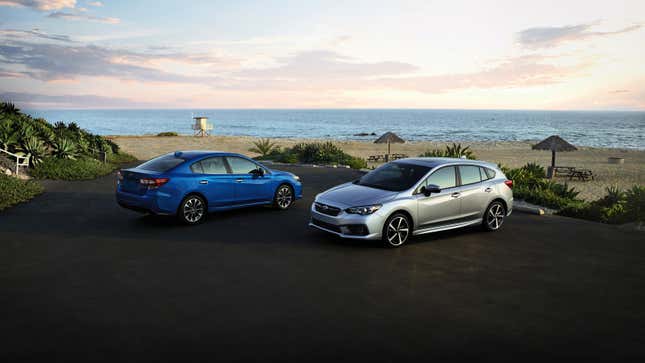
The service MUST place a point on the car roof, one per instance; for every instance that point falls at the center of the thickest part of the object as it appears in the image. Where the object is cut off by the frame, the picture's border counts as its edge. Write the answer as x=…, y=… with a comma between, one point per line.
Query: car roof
x=434, y=162
x=195, y=154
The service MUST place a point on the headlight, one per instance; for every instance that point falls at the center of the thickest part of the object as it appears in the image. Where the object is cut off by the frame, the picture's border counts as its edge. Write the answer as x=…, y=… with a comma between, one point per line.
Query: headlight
x=296, y=177
x=364, y=210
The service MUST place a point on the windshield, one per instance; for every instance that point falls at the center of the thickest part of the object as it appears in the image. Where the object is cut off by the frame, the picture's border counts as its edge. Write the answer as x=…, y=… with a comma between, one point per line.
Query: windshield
x=162, y=163
x=394, y=176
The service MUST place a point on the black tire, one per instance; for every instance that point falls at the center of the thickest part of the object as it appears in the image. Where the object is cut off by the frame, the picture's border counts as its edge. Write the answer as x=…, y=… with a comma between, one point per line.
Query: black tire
x=283, y=197
x=192, y=210
x=494, y=216
x=397, y=230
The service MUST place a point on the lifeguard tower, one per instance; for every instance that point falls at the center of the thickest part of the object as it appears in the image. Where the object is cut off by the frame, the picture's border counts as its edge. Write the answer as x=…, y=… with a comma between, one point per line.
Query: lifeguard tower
x=202, y=127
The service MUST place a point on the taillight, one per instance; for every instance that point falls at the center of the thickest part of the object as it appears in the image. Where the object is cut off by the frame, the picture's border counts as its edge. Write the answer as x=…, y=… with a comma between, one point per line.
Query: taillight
x=509, y=183
x=153, y=183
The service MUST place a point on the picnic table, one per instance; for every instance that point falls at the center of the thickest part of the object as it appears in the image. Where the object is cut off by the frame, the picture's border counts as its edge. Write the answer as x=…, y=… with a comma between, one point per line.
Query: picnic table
x=563, y=170
x=581, y=174
x=379, y=158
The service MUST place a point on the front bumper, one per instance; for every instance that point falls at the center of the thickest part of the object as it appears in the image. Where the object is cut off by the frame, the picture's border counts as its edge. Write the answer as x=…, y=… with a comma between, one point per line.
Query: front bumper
x=347, y=225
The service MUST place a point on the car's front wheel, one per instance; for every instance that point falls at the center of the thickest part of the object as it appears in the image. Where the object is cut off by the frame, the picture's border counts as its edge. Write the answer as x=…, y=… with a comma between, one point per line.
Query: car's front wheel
x=494, y=216
x=397, y=230
x=283, y=198
x=192, y=210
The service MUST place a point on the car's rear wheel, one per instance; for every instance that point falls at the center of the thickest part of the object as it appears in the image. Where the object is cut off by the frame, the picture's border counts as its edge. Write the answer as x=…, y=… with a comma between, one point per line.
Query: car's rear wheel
x=192, y=210
x=494, y=216
x=283, y=198
x=397, y=230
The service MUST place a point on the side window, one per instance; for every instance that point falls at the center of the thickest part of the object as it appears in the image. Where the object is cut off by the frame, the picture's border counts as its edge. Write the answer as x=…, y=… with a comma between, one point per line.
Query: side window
x=488, y=173
x=469, y=174
x=444, y=178
x=240, y=166
x=213, y=165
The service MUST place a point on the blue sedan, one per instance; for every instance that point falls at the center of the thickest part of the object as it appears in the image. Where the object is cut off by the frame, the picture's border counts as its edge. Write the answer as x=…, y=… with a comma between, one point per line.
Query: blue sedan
x=189, y=184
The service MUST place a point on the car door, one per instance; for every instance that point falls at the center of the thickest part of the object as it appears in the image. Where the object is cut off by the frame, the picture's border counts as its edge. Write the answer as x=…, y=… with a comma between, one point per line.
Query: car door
x=215, y=181
x=249, y=188
x=438, y=208
x=473, y=193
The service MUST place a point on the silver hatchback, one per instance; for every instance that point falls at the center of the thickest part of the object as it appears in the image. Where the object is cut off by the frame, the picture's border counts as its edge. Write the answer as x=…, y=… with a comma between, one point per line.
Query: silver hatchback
x=415, y=196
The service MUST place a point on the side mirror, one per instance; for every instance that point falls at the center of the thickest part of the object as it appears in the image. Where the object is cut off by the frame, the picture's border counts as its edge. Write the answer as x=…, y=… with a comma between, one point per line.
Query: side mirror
x=257, y=172
x=429, y=189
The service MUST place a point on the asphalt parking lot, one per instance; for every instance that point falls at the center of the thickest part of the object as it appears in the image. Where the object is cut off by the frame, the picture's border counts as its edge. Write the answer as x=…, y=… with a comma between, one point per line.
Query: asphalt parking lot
x=83, y=280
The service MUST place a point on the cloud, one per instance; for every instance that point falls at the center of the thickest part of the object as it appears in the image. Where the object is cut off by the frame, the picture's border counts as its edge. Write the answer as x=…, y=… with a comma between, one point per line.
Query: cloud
x=77, y=16
x=95, y=3
x=42, y=5
x=323, y=64
x=61, y=101
x=545, y=37
x=34, y=33
x=523, y=71
x=53, y=61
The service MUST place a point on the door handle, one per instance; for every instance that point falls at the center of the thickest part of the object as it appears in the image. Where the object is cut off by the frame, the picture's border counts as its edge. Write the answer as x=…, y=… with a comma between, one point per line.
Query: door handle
x=488, y=190
x=455, y=195
x=239, y=180
x=203, y=182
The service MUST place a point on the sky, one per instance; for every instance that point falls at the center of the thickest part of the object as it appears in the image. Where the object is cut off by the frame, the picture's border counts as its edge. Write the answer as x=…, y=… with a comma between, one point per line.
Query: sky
x=516, y=54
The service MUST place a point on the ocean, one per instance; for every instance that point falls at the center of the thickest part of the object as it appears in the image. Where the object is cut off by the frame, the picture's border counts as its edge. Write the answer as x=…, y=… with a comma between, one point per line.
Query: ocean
x=615, y=129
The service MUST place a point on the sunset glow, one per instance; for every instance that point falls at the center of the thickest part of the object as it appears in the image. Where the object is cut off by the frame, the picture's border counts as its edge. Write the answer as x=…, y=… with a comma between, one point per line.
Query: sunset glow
x=315, y=54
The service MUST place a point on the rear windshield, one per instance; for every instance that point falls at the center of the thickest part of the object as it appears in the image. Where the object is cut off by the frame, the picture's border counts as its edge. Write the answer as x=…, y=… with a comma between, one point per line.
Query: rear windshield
x=162, y=163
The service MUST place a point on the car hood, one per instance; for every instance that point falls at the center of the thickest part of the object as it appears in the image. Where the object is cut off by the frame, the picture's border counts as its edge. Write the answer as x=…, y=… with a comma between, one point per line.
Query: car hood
x=282, y=173
x=353, y=195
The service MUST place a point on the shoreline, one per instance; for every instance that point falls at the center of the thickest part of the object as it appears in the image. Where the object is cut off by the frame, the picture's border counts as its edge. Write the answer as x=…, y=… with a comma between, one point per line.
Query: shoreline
x=508, y=153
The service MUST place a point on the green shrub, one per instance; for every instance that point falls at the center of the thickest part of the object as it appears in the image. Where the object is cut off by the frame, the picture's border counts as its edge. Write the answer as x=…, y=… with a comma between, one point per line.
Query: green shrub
x=635, y=203
x=167, y=134
x=36, y=148
x=121, y=158
x=14, y=191
x=71, y=169
x=314, y=152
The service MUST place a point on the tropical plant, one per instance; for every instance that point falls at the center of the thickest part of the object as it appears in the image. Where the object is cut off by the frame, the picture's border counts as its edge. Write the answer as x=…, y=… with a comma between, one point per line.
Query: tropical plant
x=36, y=149
x=451, y=151
x=457, y=151
x=64, y=149
x=9, y=108
x=73, y=127
x=263, y=147
x=8, y=136
x=534, y=170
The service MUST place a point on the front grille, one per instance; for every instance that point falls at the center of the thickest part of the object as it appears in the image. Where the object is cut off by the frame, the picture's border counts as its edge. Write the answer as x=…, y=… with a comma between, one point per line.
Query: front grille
x=325, y=225
x=326, y=209
x=348, y=229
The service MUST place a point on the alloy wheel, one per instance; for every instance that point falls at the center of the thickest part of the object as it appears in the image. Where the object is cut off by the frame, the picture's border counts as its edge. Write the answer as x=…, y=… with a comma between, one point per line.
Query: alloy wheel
x=397, y=231
x=495, y=216
x=284, y=197
x=193, y=209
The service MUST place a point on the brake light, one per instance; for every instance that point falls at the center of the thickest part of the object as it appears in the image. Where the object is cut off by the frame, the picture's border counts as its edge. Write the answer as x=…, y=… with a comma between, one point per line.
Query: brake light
x=153, y=183
x=509, y=183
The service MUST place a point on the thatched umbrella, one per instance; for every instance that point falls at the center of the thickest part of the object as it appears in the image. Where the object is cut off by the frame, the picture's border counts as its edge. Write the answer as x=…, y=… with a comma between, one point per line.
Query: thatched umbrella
x=389, y=138
x=554, y=143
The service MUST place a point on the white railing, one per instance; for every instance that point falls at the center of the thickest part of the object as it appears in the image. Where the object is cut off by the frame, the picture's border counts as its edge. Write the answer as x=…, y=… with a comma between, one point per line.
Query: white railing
x=20, y=159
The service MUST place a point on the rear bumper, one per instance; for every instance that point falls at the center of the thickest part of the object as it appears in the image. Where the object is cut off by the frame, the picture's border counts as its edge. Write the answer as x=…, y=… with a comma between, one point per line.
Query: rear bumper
x=145, y=203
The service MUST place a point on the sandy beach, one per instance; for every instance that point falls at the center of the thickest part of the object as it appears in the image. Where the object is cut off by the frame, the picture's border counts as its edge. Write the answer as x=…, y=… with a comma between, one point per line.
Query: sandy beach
x=512, y=154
